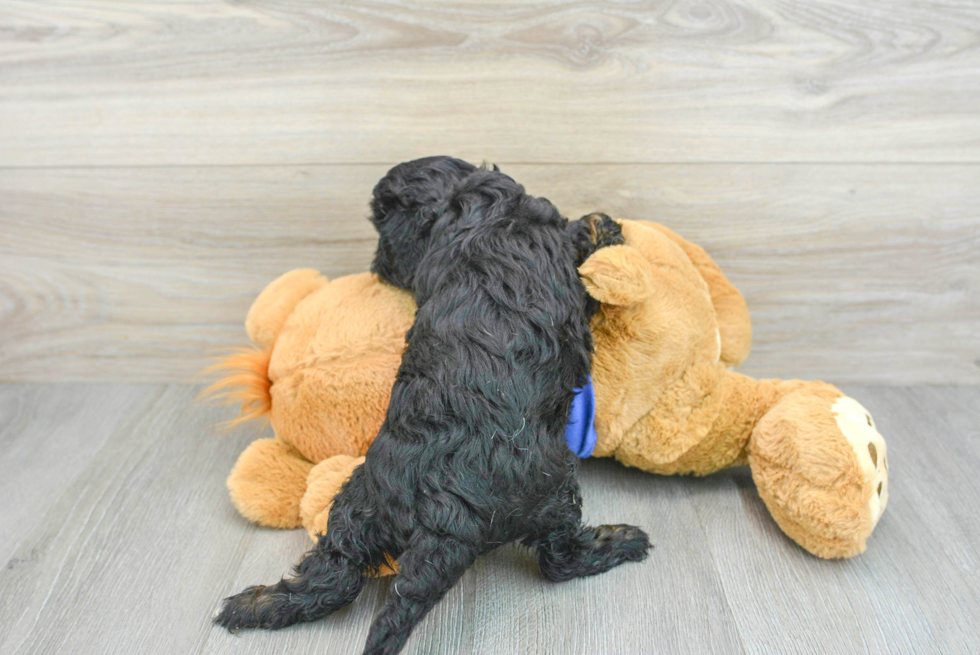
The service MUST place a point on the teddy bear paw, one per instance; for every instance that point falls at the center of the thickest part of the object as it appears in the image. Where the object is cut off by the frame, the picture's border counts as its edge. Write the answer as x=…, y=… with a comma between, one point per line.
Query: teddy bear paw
x=857, y=425
x=821, y=467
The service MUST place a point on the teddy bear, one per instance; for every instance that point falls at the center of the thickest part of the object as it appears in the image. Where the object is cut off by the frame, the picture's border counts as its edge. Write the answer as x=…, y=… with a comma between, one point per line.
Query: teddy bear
x=669, y=330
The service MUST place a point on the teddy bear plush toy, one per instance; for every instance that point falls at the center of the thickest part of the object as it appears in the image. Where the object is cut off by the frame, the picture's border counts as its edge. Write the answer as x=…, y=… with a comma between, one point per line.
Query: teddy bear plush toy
x=669, y=330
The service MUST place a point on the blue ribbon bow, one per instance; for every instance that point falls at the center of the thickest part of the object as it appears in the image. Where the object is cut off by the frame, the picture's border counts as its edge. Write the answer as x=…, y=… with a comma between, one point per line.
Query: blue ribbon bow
x=580, y=432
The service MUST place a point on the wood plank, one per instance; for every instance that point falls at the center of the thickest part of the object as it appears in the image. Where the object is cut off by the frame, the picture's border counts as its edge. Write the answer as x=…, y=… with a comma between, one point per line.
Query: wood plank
x=122, y=545
x=92, y=82
x=136, y=552
x=853, y=273
x=49, y=435
x=912, y=591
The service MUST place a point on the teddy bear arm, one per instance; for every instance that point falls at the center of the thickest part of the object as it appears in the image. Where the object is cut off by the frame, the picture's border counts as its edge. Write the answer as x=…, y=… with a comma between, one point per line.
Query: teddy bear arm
x=617, y=275
x=277, y=301
x=268, y=481
x=734, y=322
x=697, y=425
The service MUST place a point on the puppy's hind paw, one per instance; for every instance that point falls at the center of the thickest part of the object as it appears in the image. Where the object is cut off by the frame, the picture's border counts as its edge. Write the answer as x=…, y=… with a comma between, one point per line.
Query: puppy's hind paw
x=627, y=542
x=256, y=607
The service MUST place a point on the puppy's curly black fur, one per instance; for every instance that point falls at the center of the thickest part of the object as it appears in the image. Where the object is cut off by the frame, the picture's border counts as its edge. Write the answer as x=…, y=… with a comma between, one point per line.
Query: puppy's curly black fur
x=471, y=454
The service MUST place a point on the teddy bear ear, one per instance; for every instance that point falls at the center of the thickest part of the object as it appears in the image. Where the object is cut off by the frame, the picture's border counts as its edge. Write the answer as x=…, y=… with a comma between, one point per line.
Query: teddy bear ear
x=617, y=275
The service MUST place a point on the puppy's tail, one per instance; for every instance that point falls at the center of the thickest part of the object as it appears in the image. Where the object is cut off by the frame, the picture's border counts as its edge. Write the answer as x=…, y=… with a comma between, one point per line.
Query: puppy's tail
x=245, y=381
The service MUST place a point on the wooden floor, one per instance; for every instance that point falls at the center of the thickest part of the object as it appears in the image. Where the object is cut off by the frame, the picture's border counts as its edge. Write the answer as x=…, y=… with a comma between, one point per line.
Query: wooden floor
x=160, y=162
x=118, y=537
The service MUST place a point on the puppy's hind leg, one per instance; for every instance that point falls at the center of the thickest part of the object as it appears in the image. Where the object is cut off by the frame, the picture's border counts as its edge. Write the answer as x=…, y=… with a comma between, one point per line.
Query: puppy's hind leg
x=569, y=549
x=327, y=579
x=429, y=568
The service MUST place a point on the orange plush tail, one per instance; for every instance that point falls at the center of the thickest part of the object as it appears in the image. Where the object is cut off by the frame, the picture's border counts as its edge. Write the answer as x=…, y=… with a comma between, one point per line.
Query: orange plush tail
x=245, y=380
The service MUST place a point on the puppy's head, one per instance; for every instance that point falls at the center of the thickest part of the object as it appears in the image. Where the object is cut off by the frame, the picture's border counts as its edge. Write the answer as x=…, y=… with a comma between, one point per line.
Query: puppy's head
x=407, y=202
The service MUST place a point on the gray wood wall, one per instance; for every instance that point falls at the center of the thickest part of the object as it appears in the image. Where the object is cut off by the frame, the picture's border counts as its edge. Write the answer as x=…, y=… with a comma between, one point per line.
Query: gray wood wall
x=160, y=162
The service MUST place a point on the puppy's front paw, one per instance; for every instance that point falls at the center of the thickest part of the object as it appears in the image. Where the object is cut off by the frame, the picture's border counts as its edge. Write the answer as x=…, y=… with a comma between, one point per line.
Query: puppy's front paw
x=603, y=231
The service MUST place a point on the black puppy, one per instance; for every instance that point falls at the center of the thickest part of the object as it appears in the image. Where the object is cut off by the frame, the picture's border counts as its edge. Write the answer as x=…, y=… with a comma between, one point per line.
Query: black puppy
x=471, y=454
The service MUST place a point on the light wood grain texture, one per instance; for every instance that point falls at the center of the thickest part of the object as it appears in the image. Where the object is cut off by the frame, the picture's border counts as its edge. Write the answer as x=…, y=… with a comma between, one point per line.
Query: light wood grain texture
x=87, y=82
x=857, y=273
x=49, y=435
x=161, y=162
x=913, y=591
x=133, y=552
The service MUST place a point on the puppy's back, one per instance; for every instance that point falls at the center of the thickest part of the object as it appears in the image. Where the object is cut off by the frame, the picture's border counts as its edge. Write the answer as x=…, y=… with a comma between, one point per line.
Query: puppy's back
x=500, y=340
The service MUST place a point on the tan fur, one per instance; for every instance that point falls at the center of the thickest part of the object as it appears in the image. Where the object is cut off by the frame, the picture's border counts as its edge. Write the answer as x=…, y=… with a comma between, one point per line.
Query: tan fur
x=268, y=483
x=800, y=461
x=322, y=374
x=729, y=305
x=246, y=383
x=322, y=484
x=669, y=328
x=277, y=301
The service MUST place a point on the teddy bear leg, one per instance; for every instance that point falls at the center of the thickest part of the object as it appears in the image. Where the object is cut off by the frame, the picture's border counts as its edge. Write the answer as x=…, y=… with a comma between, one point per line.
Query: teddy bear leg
x=268, y=482
x=322, y=484
x=821, y=467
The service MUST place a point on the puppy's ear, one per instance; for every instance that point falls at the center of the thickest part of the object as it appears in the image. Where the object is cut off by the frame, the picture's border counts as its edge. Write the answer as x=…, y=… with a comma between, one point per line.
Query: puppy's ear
x=617, y=275
x=417, y=190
